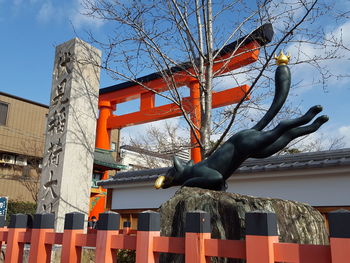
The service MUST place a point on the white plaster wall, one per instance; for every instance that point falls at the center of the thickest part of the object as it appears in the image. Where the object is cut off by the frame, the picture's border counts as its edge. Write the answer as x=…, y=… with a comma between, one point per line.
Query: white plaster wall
x=314, y=188
x=322, y=190
x=140, y=196
x=130, y=158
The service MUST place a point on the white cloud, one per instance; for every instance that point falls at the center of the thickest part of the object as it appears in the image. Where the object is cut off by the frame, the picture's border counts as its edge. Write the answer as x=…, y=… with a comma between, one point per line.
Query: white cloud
x=46, y=12
x=308, y=74
x=56, y=11
x=280, y=13
x=326, y=138
x=344, y=132
x=341, y=32
x=17, y=2
x=237, y=78
x=16, y=5
x=79, y=18
x=51, y=11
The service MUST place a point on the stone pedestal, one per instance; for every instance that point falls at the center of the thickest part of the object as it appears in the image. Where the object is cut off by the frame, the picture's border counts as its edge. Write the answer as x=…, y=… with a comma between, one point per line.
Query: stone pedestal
x=71, y=128
x=297, y=222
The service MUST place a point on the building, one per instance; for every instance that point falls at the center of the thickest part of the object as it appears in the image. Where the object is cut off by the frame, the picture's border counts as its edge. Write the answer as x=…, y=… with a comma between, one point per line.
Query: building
x=135, y=158
x=321, y=179
x=22, y=136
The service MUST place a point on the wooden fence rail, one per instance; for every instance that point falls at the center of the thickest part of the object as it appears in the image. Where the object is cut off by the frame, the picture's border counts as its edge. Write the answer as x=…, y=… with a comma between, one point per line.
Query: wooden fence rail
x=261, y=244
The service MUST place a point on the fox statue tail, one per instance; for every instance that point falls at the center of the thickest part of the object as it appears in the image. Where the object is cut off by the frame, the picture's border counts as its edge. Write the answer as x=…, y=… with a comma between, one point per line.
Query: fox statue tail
x=282, y=86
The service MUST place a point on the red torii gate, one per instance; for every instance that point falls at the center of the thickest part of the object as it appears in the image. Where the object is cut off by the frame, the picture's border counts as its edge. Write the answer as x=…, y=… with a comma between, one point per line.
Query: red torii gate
x=228, y=59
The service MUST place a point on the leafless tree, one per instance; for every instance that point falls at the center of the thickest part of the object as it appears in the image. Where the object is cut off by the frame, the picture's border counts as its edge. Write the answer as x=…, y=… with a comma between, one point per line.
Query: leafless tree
x=156, y=147
x=29, y=174
x=156, y=36
x=312, y=144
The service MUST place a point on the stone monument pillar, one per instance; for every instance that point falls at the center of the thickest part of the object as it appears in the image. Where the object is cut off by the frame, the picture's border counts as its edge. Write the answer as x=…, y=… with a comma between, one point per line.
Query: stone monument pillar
x=71, y=129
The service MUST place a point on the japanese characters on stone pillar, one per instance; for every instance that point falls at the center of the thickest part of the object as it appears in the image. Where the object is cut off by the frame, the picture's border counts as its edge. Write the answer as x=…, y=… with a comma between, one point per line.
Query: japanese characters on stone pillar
x=71, y=128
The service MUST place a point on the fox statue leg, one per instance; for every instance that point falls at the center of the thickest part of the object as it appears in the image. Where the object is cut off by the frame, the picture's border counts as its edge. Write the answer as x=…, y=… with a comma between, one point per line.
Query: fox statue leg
x=286, y=125
x=290, y=135
x=267, y=138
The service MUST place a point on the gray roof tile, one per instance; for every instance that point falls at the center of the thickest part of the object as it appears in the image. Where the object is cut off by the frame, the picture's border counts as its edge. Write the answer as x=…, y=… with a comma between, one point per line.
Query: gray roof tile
x=275, y=163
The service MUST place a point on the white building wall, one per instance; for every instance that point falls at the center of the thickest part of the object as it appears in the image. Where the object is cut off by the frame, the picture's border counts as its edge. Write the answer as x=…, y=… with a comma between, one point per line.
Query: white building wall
x=321, y=187
x=141, y=196
x=132, y=159
x=322, y=190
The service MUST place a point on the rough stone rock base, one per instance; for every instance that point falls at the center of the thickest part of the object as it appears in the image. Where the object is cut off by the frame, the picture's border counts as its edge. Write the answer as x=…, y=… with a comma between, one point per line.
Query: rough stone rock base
x=297, y=222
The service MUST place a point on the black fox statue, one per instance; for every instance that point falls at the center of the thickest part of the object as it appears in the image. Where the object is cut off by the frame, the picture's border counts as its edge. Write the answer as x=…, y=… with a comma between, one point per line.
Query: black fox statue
x=213, y=172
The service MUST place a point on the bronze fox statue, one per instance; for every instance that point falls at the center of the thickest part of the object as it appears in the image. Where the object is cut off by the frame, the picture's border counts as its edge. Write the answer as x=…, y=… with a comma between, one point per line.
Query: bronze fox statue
x=213, y=172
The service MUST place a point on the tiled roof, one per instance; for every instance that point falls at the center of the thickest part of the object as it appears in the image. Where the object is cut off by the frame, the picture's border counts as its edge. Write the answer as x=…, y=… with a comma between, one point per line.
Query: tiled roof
x=104, y=160
x=275, y=163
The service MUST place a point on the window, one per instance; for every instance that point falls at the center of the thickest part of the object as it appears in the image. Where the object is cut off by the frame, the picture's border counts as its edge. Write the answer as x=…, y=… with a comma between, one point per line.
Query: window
x=3, y=113
x=113, y=146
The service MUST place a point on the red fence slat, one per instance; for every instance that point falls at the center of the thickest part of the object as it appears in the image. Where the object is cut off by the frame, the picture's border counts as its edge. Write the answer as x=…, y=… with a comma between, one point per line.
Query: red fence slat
x=54, y=238
x=39, y=251
x=123, y=242
x=24, y=237
x=3, y=235
x=225, y=248
x=298, y=253
x=86, y=240
x=145, y=246
x=14, y=249
x=260, y=249
x=286, y=252
x=197, y=245
x=130, y=232
x=70, y=252
x=315, y=254
x=195, y=248
x=169, y=245
x=104, y=251
x=340, y=249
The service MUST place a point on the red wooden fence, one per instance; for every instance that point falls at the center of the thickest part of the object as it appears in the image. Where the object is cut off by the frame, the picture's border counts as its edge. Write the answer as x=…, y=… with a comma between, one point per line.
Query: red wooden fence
x=260, y=246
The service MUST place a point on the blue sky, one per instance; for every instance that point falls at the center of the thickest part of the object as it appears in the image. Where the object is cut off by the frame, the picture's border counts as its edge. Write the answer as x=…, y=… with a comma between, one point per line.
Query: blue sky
x=30, y=29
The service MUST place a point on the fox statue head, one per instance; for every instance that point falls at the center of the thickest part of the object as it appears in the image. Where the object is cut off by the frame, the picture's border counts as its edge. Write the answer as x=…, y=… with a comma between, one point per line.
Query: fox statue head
x=174, y=175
